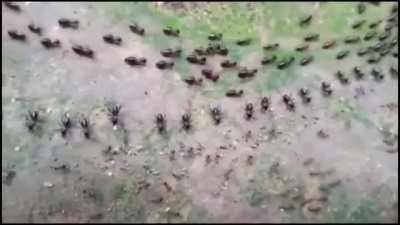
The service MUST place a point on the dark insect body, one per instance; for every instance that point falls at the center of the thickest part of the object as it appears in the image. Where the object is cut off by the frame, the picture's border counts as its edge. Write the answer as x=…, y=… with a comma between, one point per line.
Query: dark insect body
x=234, y=93
x=208, y=73
x=265, y=103
x=228, y=64
x=246, y=73
x=169, y=31
x=162, y=65
x=285, y=63
x=48, y=43
x=268, y=60
x=68, y=23
x=134, y=61
x=249, y=111
x=135, y=28
x=326, y=88
x=289, y=102
x=111, y=39
x=196, y=59
x=35, y=29
x=161, y=122
x=83, y=51
x=171, y=53
x=16, y=35
x=186, y=121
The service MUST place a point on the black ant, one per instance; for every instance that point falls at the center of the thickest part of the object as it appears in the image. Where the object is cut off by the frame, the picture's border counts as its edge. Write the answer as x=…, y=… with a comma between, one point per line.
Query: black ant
x=285, y=63
x=362, y=51
x=289, y=102
x=342, y=54
x=326, y=88
x=234, y=93
x=162, y=65
x=250, y=160
x=246, y=73
x=243, y=42
x=200, y=51
x=358, y=24
x=389, y=26
x=271, y=47
x=111, y=39
x=134, y=61
x=394, y=9
x=84, y=122
x=167, y=186
x=65, y=124
x=393, y=42
x=191, y=80
x=302, y=47
x=369, y=35
x=83, y=51
x=378, y=46
x=306, y=60
x=161, y=122
x=196, y=60
x=186, y=121
x=377, y=74
x=361, y=8
x=357, y=71
x=35, y=29
x=208, y=73
x=169, y=31
x=217, y=158
x=67, y=23
x=311, y=37
x=216, y=48
x=268, y=59
x=393, y=71
x=375, y=24
x=216, y=115
x=384, y=35
x=249, y=111
x=374, y=59
x=228, y=64
x=171, y=53
x=392, y=18
x=265, y=103
x=113, y=112
x=13, y=6
x=32, y=119
x=305, y=95
x=342, y=78
x=135, y=28
x=305, y=20
x=329, y=44
x=352, y=39
x=48, y=43
x=16, y=35
x=384, y=52
x=215, y=37
x=222, y=50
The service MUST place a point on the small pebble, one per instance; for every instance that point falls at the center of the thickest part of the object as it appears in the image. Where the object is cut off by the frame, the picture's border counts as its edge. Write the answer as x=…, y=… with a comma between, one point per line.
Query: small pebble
x=48, y=184
x=17, y=149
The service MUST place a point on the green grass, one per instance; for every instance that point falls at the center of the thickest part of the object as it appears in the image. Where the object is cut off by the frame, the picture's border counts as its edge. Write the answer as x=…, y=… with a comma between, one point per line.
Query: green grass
x=349, y=110
x=129, y=208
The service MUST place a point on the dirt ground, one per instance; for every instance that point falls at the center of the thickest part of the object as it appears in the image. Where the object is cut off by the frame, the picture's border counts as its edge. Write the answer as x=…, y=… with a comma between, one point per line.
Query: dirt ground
x=334, y=159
